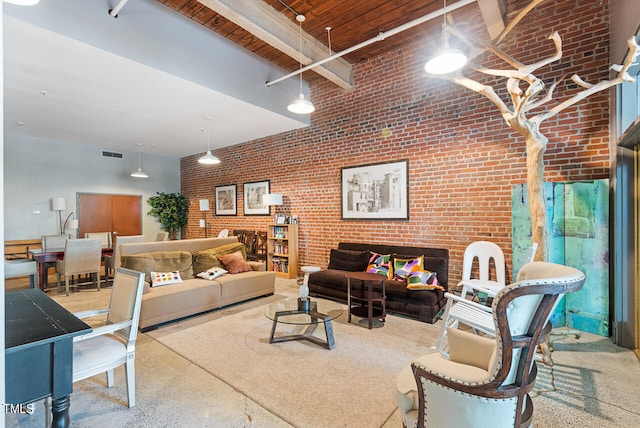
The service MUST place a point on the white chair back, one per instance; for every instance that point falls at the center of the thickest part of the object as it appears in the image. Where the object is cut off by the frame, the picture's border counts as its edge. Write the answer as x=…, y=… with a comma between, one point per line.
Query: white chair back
x=53, y=242
x=105, y=237
x=223, y=233
x=531, y=253
x=82, y=256
x=484, y=252
x=126, y=300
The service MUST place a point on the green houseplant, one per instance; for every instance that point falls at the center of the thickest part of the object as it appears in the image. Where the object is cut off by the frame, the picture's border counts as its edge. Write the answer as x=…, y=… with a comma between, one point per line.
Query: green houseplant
x=170, y=210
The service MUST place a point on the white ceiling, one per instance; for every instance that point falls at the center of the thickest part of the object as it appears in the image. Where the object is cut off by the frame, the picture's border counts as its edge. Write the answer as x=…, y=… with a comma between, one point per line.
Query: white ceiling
x=59, y=89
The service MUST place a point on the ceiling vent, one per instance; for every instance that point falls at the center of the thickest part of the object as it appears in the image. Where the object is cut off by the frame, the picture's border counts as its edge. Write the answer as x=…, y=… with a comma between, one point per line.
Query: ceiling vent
x=112, y=155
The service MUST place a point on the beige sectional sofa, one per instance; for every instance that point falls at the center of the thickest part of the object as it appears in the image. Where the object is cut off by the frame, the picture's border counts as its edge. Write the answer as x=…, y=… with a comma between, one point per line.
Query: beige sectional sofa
x=194, y=295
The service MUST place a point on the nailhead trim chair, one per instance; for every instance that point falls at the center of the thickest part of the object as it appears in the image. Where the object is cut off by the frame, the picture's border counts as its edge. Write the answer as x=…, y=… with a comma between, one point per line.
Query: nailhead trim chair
x=484, y=382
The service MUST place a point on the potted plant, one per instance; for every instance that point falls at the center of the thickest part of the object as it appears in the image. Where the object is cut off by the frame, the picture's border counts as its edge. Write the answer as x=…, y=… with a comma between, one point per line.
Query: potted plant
x=170, y=210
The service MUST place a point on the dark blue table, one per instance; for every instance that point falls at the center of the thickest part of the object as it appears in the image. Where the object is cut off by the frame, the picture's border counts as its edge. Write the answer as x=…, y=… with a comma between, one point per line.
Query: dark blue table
x=39, y=351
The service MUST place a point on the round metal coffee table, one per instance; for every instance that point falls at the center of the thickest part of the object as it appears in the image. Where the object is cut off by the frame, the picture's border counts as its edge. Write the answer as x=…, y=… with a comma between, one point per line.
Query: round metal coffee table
x=288, y=312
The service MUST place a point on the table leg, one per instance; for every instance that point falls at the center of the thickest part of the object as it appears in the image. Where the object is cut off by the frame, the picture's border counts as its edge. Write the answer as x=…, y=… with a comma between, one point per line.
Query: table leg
x=42, y=275
x=60, y=412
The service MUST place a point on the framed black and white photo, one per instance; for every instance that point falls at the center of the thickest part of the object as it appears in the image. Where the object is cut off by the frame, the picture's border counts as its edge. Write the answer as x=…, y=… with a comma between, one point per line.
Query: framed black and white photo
x=377, y=191
x=253, y=198
x=226, y=198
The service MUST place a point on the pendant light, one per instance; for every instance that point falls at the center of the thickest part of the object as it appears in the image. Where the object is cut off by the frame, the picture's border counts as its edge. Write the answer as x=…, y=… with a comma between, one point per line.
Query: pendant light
x=300, y=105
x=139, y=173
x=448, y=59
x=209, y=158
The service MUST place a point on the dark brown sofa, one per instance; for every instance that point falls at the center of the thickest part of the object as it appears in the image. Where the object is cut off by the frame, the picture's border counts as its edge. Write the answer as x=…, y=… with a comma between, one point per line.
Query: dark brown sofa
x=423, y=305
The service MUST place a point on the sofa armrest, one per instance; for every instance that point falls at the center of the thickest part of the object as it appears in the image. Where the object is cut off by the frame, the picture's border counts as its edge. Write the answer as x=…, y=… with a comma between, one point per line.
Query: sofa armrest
x=257, y=266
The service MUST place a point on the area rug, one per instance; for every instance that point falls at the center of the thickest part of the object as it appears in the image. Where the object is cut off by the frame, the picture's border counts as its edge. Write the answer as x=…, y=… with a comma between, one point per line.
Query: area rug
x=300, y=382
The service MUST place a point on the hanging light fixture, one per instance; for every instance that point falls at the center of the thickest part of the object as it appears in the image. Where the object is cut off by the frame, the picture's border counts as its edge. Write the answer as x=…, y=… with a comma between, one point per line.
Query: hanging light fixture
x=447, y=59
x=209, y=158
x=300, y=105
x=139, y=173
x=23, y=2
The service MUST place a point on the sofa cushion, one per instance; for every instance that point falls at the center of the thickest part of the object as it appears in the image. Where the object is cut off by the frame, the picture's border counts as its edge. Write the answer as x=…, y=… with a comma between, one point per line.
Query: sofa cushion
x=160, y=261
x=235, y=262
x=423, y=280
x=205, y=259
x=352, y=261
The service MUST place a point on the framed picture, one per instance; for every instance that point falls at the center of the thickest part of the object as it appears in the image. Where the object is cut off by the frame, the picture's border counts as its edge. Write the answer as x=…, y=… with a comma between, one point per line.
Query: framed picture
x=377, y=191
x=226, y=200
x=253, y=198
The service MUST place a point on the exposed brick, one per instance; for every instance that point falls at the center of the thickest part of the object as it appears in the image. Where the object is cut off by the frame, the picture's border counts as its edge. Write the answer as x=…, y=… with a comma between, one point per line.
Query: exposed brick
x=463, y=159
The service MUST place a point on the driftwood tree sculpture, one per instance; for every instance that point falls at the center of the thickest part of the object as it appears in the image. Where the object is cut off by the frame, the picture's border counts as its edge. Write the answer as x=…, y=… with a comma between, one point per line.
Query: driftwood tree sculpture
x=527, y=93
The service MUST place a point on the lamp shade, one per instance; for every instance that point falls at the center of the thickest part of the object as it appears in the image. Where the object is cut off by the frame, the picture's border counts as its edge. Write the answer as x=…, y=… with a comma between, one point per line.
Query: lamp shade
x=446, y=61
x=58, y=204
x=301, y=106
x=73, y=224
x=204, y=204
x=272, y=199
x=139, y=174
x=23, y=2
x=209, y=159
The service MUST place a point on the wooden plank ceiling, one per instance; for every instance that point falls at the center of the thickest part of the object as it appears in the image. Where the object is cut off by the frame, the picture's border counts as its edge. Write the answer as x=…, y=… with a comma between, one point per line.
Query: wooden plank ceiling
x=351, y=22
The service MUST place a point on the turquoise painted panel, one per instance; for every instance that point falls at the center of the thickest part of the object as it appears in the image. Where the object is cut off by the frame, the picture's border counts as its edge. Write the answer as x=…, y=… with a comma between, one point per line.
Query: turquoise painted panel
x=578, y=215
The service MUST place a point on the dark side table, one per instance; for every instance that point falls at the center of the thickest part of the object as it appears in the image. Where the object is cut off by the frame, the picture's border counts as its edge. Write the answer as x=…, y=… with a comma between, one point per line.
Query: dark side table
x=39, y=351
x=366, y=301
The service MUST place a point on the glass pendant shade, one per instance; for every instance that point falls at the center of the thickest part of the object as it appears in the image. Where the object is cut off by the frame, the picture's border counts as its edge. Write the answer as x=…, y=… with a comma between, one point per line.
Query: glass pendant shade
x=209, y=159
x=301, y=106
x=447, y=60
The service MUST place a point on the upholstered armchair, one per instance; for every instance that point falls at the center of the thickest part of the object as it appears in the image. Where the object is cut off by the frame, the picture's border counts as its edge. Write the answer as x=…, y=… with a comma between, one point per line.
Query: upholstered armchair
x=484, y=382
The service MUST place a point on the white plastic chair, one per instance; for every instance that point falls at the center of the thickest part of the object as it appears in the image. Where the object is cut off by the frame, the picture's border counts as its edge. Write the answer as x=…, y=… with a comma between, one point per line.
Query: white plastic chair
x=113, y=344
x=223, y=233
x=475, y=315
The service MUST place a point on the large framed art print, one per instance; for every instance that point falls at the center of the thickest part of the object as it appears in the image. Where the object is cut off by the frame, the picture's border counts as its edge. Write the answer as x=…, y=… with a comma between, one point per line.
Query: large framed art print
x=226, y=200
x=378, y=191
x=253, y=204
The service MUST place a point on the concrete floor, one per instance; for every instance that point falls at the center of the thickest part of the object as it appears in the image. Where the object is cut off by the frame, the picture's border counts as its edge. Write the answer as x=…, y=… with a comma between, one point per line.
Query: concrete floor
x=593, y=383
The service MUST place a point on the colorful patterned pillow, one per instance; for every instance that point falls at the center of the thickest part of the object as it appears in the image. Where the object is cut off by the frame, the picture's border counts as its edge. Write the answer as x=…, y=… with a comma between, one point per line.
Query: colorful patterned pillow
x=403, y=267
x=380, y=264
x=165, y=278
x=423, y=280
x=212, y=273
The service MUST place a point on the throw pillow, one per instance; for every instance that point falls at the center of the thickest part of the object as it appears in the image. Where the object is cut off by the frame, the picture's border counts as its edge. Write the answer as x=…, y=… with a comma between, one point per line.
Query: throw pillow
x=423, y=280
x=380, y=264
x=235, y=262
x=165, y=278
x=403, y=267
x=349, y=260
x=205, y=259
x=212, y=273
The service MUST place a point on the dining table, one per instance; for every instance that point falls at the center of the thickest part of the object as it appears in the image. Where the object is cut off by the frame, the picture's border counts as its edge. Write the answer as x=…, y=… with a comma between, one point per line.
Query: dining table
x=42, y=257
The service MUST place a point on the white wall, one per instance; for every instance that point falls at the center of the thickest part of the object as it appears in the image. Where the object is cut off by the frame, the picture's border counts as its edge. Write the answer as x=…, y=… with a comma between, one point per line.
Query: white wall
x=36, y=171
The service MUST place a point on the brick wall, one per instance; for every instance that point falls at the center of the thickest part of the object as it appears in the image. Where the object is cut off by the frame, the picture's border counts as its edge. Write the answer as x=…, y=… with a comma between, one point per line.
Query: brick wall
x=463, y=159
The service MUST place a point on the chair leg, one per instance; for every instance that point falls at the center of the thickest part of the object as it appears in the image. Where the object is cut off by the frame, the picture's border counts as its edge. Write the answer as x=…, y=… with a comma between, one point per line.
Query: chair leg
x=47, y=412
x=57, y=283
x=445, y=321
x=110, y=378
x=66, y=283
x=130, y=374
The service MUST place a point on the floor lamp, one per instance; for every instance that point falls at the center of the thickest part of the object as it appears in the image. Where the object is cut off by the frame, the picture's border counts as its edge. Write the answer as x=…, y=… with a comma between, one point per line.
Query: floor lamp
x=204, y=207
x=59, y=204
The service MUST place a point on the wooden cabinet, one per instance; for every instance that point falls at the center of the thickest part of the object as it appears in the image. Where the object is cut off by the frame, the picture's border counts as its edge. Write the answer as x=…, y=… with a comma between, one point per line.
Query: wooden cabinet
x=282, y=249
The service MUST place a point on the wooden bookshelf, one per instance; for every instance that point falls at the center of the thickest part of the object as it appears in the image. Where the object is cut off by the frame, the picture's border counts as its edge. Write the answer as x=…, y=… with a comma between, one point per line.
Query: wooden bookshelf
x=282, y=249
